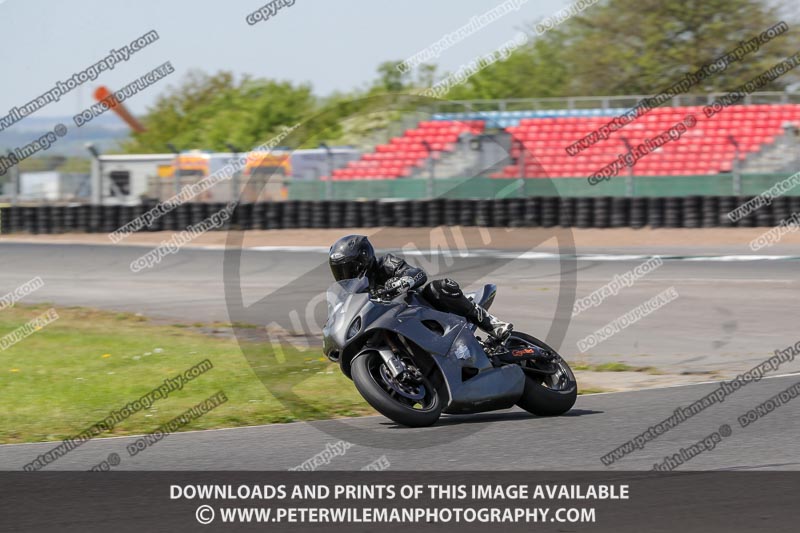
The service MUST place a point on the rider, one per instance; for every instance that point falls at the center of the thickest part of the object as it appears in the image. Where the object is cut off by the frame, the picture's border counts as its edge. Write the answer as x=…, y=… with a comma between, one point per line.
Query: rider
x=353, y=256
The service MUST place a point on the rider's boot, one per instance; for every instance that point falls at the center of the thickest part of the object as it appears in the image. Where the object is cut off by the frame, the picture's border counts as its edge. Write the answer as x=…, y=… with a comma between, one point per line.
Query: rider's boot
x=489, y=323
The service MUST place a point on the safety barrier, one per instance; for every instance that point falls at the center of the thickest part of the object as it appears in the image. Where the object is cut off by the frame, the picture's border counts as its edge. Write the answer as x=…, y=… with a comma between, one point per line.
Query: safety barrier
x=536, y=211
x=643, y=186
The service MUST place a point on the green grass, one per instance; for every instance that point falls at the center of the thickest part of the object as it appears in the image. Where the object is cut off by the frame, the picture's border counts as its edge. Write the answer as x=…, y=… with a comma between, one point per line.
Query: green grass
x=614, y=367
x=71, y=373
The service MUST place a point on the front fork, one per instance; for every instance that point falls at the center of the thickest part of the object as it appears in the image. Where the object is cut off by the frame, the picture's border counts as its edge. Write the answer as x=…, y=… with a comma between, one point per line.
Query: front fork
x=396, y=367
x=389, y=355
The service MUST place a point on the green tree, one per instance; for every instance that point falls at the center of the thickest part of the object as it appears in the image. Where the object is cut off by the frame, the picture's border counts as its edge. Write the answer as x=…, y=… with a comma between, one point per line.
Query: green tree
x=209, y=111
x=534, y=70
x=643, y=46
x=620, y=47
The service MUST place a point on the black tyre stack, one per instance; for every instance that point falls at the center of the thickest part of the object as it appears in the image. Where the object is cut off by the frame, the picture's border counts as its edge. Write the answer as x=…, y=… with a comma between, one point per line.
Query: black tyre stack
x=764, y=216
x=468, y=214
x=273, y=215
x=692, y=211
x=169, y=220
x=709, y=211
x=336, y=214
x=434, y=213
x=304, y=214
x=43, y=219
x=483, y=213
x=319, y=214
x=369, y=213
x=183, y=216
x=352, y=215
x=549, y=211
x=289, y=215
x=566, y=212
x=198, y=213
x=138, y=211
x=29, y=216
x=500, y=213
x=620, y=212
x=15, y=218
x=794, y=203
x=516, y=212
x=749, y=219
x=56, y=219
x=781, y=209
x=257, y=215
x=602, y=212
x=584, y=211
x=673, y=212
x=638, y=217
x=725, y=205
x=111, y=218
x=243, y=213
x=126, y=214
x=532, y=215
x=655, y=212
x=402, y=212
x=417, y=215
x=386, y=214
x=81, y=218
x=5, y=221
x=452, y=211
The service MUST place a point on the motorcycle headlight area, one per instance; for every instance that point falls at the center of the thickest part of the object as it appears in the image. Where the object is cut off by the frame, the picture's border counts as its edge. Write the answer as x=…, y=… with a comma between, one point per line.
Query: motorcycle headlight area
x=354, y=328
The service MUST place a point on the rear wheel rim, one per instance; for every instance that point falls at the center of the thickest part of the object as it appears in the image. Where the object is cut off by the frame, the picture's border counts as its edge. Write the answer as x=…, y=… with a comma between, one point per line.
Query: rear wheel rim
x=560, y=381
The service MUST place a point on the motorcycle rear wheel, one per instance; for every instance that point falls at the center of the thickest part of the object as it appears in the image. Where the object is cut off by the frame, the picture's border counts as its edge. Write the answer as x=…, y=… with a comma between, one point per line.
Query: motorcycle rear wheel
x=547, y=395
x=412, y=406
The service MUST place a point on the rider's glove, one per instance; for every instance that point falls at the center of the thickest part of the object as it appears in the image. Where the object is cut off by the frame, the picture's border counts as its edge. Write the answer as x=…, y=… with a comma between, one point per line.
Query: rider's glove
x=395, y=286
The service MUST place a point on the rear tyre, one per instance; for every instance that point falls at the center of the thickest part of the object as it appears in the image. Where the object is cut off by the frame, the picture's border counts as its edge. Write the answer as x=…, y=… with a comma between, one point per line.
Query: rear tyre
x=412, y=405
x=546, y=395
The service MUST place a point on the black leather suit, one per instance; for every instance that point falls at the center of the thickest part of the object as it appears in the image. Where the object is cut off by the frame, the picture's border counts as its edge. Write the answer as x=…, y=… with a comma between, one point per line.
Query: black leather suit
x=443, y=294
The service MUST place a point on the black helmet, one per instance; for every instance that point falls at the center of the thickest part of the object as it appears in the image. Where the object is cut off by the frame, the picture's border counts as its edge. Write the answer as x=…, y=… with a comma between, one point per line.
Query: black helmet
x=351, y=257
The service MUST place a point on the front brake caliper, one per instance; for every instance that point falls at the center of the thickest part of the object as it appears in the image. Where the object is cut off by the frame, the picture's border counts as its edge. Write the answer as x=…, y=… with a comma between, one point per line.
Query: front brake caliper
x=393, y=363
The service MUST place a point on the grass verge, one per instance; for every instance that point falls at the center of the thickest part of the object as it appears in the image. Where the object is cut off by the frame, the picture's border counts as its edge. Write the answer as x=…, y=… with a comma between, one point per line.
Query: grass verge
x=614, y=367
x=72, y=372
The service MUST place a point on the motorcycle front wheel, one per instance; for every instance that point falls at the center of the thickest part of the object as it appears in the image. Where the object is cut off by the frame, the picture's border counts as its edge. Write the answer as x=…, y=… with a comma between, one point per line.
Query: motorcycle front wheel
x=546, y=394
x=412, y=404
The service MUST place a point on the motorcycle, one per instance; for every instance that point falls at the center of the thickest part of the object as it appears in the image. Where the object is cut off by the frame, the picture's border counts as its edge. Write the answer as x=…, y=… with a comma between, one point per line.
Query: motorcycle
x=412, y=363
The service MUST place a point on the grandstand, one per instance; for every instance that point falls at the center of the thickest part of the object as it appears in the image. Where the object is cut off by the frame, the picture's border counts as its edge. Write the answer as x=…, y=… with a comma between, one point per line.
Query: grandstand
x=402, y=155
x=537, y=142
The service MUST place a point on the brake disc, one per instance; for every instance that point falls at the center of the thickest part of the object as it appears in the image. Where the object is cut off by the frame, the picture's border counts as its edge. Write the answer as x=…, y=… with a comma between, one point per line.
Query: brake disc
x=412, y=392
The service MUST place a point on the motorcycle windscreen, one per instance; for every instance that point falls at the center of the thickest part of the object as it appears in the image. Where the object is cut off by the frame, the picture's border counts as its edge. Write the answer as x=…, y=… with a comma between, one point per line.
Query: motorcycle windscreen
x=338, y=292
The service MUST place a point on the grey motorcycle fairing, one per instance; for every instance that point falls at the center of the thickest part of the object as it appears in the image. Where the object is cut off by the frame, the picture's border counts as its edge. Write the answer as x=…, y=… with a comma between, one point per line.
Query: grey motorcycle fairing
x=448, y=338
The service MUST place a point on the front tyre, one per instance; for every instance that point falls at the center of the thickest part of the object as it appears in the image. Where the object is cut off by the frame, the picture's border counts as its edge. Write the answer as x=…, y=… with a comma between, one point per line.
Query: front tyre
x=545, y=394
x=412, y=404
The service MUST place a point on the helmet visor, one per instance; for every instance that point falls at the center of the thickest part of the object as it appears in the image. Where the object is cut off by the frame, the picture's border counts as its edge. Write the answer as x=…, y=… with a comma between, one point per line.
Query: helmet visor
x=346, y=270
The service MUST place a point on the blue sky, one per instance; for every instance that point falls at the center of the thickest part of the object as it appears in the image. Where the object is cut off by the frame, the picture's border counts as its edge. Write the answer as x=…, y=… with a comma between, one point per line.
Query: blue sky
x=334, y=45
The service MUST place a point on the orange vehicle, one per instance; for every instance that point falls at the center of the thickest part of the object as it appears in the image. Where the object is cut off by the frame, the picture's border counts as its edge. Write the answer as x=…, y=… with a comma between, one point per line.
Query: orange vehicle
x=266, y=164
x=264, y=173
x=196, y=165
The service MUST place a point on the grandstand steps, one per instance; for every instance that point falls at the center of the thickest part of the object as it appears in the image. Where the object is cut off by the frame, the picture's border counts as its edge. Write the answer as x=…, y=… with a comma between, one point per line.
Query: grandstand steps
x=453, y=164
x=495, y=154
x=781, y=156
x=445, y=144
